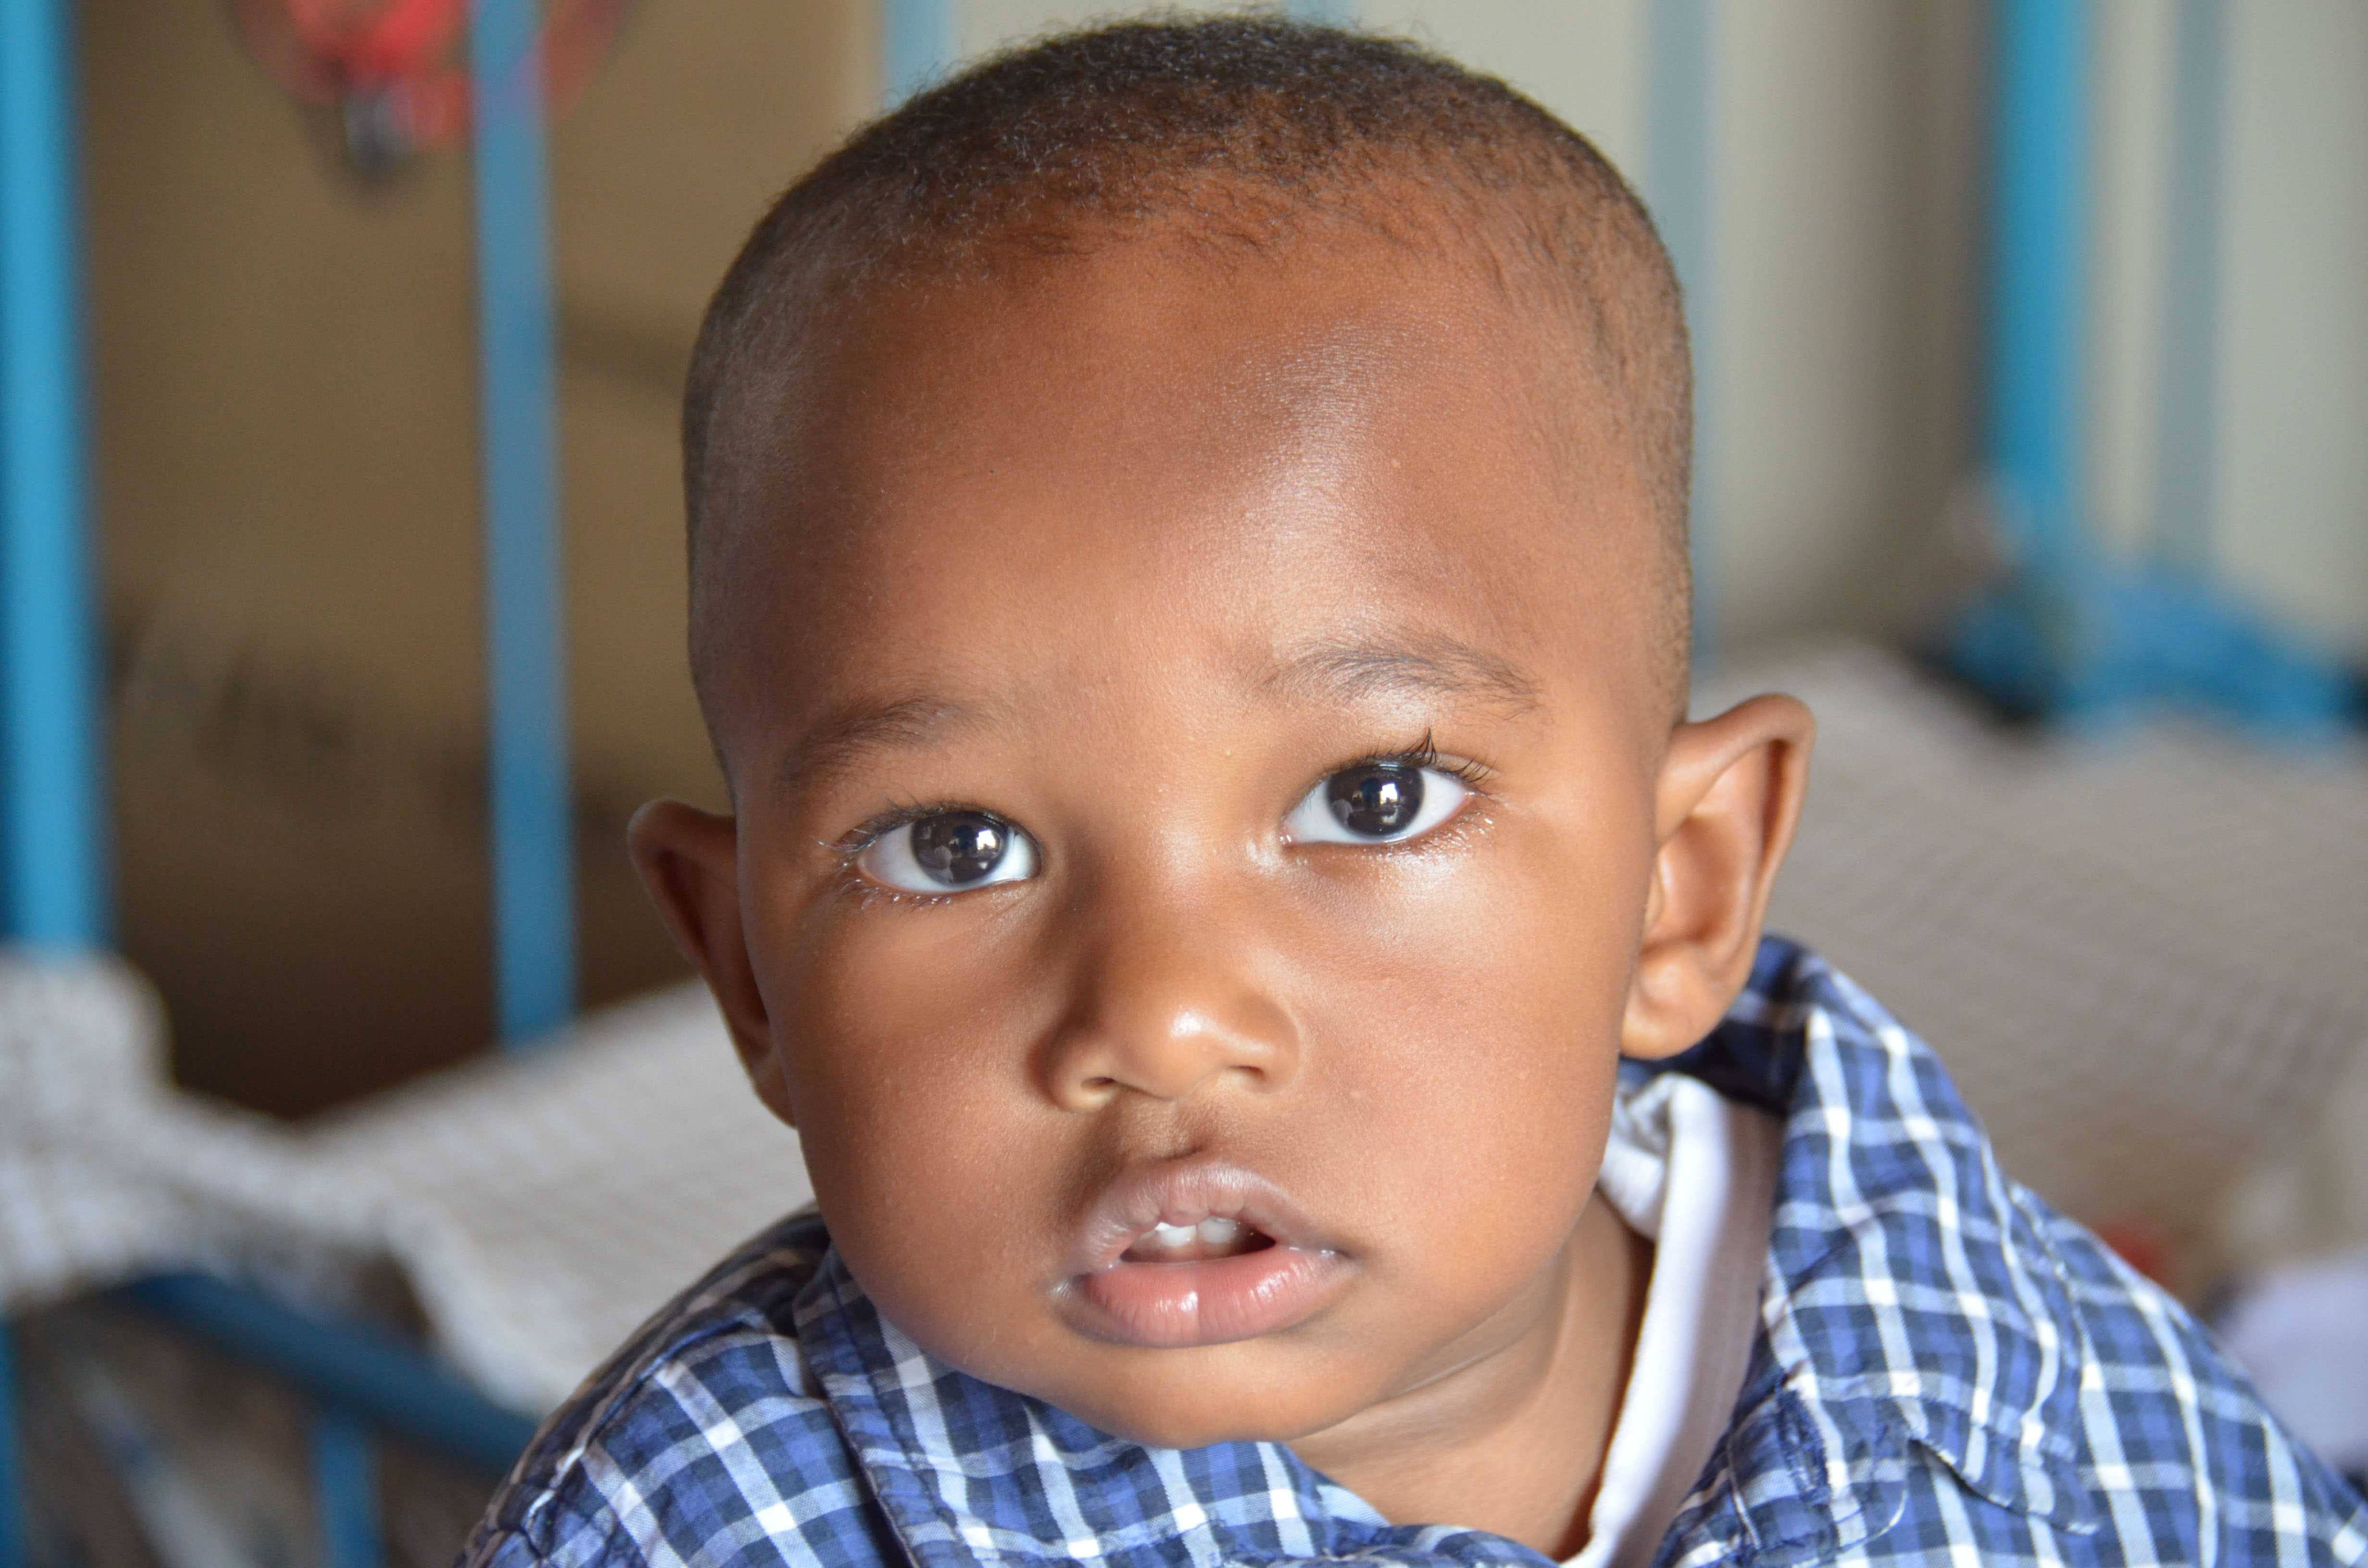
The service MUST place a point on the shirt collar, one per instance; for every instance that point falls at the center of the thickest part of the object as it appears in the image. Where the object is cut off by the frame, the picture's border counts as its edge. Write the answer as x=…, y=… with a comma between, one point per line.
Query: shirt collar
x=1913, y=1297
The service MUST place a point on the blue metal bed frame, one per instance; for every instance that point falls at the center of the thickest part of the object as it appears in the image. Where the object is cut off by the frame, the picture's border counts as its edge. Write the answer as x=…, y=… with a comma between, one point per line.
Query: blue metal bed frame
x=54, y=868
x=2068, y=635
x=53, y=838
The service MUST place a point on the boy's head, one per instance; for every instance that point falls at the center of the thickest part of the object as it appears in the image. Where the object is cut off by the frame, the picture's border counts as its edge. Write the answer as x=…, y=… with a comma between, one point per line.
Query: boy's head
x=1236, y=146
x=1188, y=590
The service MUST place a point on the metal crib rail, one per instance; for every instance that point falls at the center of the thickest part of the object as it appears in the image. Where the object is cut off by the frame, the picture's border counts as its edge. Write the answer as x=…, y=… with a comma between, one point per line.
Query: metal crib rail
x=362, y=1370
x=53, y=833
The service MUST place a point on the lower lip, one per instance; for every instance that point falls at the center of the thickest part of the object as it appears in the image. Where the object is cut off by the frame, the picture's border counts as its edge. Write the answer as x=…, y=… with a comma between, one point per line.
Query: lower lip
x=1172, y=1306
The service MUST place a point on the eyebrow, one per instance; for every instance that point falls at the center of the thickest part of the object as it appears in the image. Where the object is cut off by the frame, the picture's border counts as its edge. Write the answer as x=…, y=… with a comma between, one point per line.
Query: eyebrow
x=1335, y=671
x=858, y=730
x=1429, y=665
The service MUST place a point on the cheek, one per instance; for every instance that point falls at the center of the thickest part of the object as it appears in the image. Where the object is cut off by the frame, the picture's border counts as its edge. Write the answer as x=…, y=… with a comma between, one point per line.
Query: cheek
x=1473, y=1023
x=906, y=1060
x=1508, y=965
x=882, y=1009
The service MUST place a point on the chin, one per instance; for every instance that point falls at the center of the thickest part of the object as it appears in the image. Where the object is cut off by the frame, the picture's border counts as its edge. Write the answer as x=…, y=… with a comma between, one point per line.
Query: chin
x=1193, y=1408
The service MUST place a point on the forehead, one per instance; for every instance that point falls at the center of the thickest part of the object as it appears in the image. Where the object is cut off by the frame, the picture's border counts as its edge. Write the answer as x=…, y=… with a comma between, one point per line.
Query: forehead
x=1154, y=455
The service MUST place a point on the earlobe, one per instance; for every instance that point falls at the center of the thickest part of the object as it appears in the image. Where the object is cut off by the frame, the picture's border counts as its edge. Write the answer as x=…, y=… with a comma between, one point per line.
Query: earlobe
x=689, y=859
x=1728, y=798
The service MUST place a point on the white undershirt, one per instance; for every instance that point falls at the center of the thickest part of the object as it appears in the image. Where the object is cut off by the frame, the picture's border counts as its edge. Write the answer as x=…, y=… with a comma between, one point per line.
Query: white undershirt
x=1694, y=1172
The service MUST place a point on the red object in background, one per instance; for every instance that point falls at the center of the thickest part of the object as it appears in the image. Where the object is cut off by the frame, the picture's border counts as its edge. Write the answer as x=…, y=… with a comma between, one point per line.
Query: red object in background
x=395, y=72
x=2142, y=1246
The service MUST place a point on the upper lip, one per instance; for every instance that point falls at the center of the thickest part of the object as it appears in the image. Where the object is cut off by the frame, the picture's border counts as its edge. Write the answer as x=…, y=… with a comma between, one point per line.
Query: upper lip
x=1185, y=1192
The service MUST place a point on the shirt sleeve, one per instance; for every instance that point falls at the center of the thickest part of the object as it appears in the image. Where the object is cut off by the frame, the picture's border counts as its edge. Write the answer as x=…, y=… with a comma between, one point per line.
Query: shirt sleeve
x=560, y=1538
x=713, y=1455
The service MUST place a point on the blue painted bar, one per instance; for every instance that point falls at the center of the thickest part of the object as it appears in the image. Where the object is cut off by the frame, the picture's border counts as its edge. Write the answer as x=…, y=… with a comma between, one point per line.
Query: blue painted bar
x=55, y=834
x=345, y=1491
x=917, y=41
x=373, y=1374
x=1678, y=124
x=2037, y=278
x=53, y=862
x=526, y=652
x=2186, y=449
x=15, y=1529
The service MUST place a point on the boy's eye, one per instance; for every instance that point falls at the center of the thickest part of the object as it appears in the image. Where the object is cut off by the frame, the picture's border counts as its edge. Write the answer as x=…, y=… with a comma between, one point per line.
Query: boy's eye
x=949, y=852
x=1375, y=802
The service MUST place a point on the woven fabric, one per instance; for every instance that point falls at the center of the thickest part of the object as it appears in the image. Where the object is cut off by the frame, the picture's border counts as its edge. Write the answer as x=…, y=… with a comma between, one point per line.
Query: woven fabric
x=1944, y=1368
x=543, y=1205
x=106, y=1172
x=539, y=1206
x=2143, y=953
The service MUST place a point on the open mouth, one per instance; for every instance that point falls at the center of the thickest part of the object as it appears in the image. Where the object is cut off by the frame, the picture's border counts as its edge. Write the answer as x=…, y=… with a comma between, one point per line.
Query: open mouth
x=1198, y=1252
x=1211, y=1238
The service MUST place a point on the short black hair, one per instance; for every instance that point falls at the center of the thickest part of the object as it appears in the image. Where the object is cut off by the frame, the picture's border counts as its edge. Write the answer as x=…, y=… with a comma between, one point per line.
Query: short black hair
x=1234, y=130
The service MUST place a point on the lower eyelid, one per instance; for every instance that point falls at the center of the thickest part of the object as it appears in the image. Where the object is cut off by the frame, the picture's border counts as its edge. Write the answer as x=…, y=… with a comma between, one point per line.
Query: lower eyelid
x=1470, y=822
x=1469, y=813
x=851, y=881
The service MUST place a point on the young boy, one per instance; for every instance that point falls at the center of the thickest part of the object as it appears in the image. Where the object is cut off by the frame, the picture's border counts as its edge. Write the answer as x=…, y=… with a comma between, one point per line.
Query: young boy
x=1188, y=589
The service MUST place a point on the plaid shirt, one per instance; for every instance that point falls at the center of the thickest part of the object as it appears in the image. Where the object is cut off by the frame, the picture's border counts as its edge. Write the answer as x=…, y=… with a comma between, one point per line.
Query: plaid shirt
x=1945, y=1368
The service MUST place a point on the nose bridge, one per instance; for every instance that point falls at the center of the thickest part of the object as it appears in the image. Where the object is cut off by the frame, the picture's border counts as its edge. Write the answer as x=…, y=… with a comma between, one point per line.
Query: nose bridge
x=1167, y=995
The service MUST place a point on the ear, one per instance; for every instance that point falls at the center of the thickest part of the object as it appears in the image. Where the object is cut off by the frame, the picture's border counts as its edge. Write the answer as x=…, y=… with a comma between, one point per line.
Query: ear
x=690, y=861
x=1729, y=796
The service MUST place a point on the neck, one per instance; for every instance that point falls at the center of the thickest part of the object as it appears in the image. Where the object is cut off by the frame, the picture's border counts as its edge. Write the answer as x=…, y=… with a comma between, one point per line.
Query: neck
x=1513, y=1441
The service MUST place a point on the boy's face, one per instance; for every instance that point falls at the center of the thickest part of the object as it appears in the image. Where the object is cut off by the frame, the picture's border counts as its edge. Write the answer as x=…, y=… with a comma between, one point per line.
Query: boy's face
x=1198, y=752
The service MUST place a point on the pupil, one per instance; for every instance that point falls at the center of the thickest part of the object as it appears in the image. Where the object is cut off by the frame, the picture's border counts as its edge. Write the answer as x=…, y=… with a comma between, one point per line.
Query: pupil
x=959, y=847
x=1376, y=802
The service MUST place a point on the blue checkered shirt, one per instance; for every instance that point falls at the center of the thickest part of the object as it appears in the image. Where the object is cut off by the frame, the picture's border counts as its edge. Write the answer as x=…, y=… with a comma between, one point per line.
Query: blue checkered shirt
x=1945, y=1370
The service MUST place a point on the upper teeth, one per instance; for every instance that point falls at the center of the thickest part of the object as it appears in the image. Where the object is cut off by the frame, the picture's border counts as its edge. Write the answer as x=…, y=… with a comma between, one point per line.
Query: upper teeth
x=1211, y=1231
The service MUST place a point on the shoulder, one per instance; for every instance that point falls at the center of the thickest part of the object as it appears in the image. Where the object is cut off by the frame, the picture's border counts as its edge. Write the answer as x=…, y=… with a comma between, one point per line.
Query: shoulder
x=1946, y=1363
x=705, y=1440
x=2177, y=1441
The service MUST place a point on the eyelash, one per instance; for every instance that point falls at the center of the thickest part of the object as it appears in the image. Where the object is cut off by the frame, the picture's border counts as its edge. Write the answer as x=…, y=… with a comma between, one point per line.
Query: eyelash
x=1471, y=773
x=1424, y=753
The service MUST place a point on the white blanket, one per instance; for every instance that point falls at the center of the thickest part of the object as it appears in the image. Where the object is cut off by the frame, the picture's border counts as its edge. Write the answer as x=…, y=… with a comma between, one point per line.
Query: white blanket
x=540, y=1205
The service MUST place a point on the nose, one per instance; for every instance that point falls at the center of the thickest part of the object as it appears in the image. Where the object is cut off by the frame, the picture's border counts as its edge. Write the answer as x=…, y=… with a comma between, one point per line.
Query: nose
x=1164, y=1008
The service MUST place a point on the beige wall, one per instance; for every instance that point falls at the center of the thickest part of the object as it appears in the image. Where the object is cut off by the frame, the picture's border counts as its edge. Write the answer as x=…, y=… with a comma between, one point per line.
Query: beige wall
x=2290, y=506
x=285, y=413
x=2292, y=499
x=1836, y=413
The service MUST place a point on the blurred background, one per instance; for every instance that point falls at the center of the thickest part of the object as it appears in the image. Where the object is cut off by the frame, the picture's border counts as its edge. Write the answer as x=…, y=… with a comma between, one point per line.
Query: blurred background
x=286, y=425
x=282, y=344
